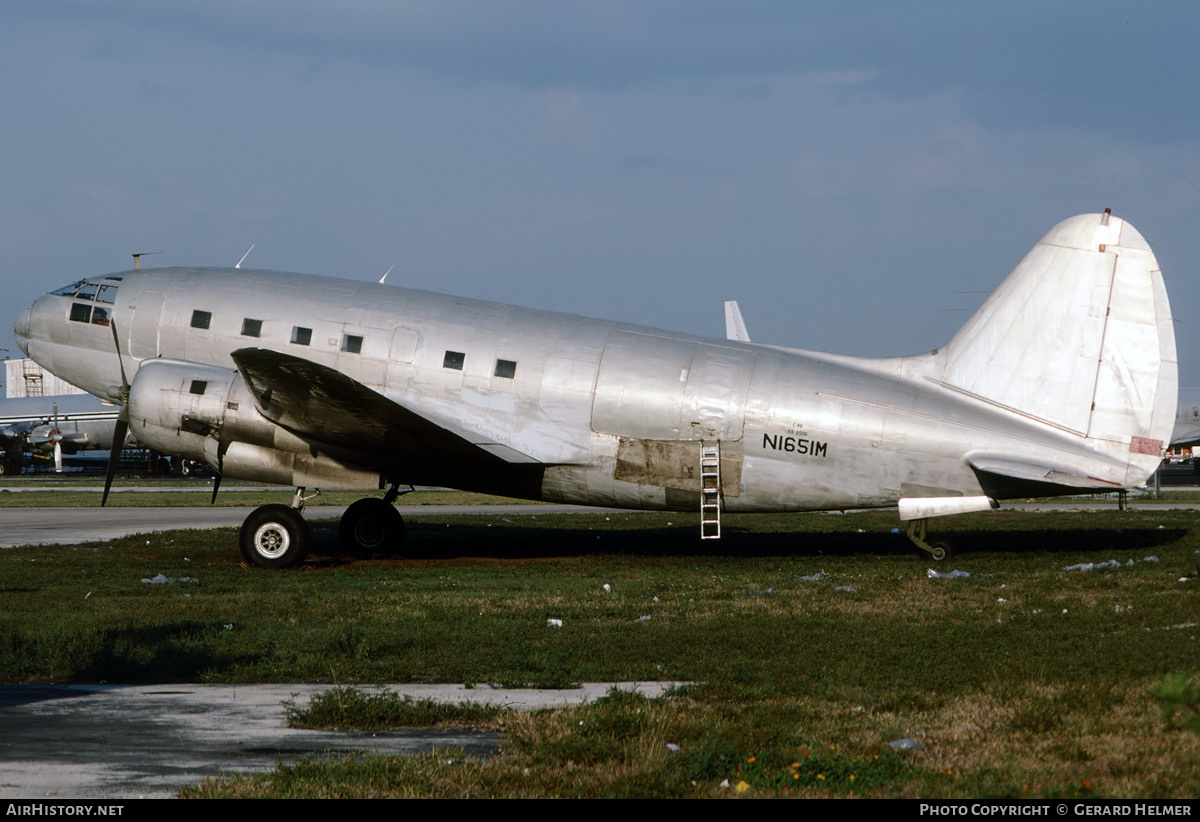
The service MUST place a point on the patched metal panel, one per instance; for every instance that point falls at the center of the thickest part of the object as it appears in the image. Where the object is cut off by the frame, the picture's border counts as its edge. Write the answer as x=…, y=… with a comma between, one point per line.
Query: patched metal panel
x=653, y=387
x=640, y=387
x=717, y=386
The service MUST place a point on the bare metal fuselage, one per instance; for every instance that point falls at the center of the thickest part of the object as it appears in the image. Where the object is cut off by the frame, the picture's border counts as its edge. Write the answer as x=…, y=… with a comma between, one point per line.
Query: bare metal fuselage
x=568, y=408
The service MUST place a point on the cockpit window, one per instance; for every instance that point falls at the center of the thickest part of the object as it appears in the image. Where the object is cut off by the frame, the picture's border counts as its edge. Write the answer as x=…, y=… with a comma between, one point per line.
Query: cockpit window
x=68, y=290
x=87, y=312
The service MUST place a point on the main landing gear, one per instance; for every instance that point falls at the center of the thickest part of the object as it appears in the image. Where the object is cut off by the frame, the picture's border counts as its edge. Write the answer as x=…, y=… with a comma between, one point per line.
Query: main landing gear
x=276, y=536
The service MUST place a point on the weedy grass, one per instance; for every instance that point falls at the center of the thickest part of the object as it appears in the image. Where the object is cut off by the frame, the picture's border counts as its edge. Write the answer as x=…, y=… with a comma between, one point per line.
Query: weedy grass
x=354, y=708
x=812, y=640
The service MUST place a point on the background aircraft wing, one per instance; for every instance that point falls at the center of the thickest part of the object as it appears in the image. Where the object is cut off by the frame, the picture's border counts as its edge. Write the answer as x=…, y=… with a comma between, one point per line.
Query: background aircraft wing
x=324, y=405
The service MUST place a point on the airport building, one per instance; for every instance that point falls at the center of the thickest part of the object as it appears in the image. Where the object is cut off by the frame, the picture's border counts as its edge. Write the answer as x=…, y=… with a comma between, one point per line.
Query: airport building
x=25, y=378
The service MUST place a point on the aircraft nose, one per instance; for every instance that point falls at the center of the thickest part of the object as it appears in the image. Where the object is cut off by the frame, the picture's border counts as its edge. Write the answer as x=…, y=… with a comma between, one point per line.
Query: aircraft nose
x=21, y=329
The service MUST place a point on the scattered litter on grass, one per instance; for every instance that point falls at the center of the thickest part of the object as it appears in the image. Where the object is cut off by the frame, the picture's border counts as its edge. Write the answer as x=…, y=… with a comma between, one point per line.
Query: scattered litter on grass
x=819, y=575
x=755, y=593
x=643, y=618
x=849, y=589
x=1093, y=566
x=607, y=588
x=165, y=580
x=554, y=623
x=671, y=746
x=1110, y=565
x=906, y=744
x=956, y=574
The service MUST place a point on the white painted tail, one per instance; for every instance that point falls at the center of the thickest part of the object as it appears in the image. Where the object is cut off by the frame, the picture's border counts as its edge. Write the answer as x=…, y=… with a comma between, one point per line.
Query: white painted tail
x=1079, y=336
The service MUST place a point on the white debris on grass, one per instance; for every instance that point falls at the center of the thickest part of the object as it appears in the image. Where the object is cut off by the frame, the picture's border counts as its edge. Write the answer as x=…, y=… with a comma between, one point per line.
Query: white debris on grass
x=162, y=579
x=955, y=574
x=818, y=576
x=554, y=623
x=1112, y=564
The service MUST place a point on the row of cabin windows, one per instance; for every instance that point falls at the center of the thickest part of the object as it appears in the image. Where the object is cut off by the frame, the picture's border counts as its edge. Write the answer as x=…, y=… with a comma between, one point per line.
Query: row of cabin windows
x=351, y=343
x=455, y=360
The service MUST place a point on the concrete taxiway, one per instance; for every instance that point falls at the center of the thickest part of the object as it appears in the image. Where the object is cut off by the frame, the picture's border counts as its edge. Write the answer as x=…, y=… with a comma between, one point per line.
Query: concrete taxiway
x=71, y=526
x=128, y=742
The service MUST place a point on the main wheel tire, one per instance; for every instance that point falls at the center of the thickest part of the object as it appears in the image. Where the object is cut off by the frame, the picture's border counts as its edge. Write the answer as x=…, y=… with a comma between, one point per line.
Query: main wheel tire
x=274, y=536
x=371, y=527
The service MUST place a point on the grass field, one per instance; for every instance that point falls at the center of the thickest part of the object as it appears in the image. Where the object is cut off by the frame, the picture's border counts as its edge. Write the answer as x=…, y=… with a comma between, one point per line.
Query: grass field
x=812, y=642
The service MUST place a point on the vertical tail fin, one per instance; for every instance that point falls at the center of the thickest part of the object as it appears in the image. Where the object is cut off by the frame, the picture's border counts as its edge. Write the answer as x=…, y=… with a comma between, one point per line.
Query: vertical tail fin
x=1079, y=336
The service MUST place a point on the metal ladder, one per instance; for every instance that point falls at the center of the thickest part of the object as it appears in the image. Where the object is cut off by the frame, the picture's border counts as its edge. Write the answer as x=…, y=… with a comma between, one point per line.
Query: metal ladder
x=710, y=490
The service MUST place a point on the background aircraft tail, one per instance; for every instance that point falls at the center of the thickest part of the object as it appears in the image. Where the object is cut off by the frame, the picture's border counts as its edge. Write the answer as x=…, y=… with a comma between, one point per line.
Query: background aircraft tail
x=1079, y=336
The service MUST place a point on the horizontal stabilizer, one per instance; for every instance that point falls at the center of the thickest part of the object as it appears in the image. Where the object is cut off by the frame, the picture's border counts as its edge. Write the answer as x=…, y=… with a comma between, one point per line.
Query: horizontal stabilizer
x=324, y=405
x=1006, y=478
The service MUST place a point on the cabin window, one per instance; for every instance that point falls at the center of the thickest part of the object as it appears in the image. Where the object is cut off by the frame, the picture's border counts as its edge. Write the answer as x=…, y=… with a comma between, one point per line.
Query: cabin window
x=506, y=369
x=251, y=328
x=454, y=359
x=107, y=294
x=352, y=343
x=81, y=313
x=201, y=319
x=88, y=292
x=301, y=335
x=199, y=386
x=99, y=316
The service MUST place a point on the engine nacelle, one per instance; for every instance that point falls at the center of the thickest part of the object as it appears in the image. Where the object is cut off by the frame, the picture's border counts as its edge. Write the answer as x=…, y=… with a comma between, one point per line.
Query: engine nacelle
x=207, y=414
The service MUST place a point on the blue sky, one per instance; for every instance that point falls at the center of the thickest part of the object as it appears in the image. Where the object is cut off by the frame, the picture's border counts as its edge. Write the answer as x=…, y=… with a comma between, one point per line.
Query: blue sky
x=858, y=175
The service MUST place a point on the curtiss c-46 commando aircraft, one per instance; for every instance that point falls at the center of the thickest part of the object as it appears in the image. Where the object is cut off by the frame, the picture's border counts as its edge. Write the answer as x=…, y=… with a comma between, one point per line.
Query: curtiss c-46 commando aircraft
x=1062, y=382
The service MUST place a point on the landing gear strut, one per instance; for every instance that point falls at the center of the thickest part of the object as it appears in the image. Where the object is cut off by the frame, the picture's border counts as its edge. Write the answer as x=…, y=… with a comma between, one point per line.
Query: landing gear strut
x=938, y=549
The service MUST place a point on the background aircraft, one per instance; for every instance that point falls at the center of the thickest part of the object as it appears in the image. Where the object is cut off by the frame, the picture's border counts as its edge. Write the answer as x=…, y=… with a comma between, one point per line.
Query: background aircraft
x=53, y=426
x=1187, y=419
x=1064, y=381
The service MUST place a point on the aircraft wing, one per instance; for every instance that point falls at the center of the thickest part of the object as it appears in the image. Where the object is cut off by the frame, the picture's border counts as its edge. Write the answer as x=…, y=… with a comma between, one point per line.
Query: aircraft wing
x=324, y=405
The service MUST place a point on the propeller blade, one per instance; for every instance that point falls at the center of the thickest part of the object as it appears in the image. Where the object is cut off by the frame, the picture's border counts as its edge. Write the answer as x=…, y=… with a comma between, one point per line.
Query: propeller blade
x=122, y=426
x=112, y=323
x=216, y=485
x=57, y=457
x=114, y=456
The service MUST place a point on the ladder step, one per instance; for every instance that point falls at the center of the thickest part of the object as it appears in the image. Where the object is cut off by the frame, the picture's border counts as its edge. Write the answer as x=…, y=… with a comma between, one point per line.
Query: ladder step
x=710, y=491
